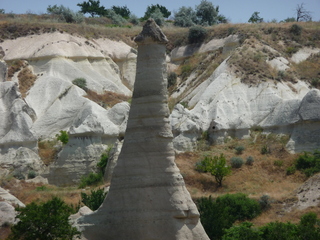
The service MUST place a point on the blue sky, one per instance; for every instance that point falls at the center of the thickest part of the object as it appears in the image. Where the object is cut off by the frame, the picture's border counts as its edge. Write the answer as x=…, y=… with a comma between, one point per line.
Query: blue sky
x=237, y=11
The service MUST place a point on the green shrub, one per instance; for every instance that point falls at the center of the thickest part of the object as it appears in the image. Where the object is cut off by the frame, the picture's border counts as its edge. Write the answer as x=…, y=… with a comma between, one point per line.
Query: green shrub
x=172, y=79
x=94, y=200
x=296, y=29
x=158, y=17
x=102, y=164
x=63, y=137
x=185, y=17
x=265, y=202
x=31, y=174
x=278, y=163
x=291, y=170
x=243, y=231
x=49, y=220
x=218, y=215
x=280, y=231
x=249, y=161
x=81, y=83
x=217, y=166
x=239, y=149
x=265, y=149
x=116, y=18
x=197, y=34
x=309, y=226
x=92, y=179
x=236, y=162
x=65, y=14
x=18, y=175
x=309, y=163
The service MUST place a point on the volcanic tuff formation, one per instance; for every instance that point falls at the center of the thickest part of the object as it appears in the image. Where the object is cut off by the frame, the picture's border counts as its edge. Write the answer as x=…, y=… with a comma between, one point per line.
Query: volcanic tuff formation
x=147, y=198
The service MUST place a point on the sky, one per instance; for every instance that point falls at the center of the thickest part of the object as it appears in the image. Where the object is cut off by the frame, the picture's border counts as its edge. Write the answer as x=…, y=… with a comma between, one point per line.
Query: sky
x=236, y=11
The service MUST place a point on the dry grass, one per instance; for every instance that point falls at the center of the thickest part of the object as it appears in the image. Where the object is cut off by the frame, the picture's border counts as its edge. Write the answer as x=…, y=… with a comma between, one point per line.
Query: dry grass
x=48, y=151
x=309, y=70
x=108, y=99
x=26, y=81
x=267, y=175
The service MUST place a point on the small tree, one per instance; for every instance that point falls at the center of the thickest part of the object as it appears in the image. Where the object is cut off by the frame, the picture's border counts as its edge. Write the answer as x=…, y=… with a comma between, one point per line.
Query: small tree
x=207, y=13
x=94, y=200
x=302, y=13
x=158, y=17
x=218, y=215
x=185, y=17
x=81, y=83
x=197, y=34
x=255, y=18
x=92, y=7
x=65, y=14
x=122, y=11
x=151, y=9
x=47, y=220
x=63, y=137
x=217, y=166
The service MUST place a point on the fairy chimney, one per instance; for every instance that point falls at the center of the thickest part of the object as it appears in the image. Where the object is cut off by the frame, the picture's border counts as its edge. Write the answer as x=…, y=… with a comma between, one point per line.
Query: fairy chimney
x=147, y=199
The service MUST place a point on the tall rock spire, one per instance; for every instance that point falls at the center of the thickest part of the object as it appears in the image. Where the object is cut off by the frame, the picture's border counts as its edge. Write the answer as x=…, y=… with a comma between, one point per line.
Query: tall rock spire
x=147, y=198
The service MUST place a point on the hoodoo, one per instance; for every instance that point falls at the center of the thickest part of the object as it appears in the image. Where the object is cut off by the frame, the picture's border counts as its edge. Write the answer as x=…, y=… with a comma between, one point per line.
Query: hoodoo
x=148, y=199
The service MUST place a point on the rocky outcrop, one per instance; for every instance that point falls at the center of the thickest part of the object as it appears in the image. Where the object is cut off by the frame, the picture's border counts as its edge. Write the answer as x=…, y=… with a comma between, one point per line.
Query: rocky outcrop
x=18, y=144
x=224, y=106
x=308, y=193
x=7, y=214
x=6, y=196
x=53, y=103
x=147, y=198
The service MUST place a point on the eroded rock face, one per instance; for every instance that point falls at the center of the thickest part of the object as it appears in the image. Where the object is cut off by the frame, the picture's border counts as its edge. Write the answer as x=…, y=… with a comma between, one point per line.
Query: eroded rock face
x=147, y=198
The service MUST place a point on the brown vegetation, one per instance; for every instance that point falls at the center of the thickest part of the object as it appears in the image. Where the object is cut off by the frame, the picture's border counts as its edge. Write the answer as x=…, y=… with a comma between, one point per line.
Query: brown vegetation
x=267, y=175
x=108, y=99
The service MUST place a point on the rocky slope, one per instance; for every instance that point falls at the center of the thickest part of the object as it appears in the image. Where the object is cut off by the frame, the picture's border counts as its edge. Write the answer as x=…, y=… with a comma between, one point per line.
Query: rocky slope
x=229, y=99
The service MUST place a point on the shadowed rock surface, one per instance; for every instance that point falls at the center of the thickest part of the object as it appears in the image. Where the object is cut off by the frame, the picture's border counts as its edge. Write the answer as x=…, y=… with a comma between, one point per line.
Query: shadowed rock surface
x=147, y=198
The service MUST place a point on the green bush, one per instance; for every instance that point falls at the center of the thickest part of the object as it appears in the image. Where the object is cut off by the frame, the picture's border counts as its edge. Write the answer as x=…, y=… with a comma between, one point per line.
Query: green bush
x=63, y=137
x=158, y=17
x=279, y=231
x=49, y=220
x=249, y=160
x=239, y=149
x=102, y=164
x=265, y=202
x=116, y=18
x=244, y=231
x=309, y=163
x=185, y=17
x=309, y=226
x=291, y=170
x=296, y=29
x=31, y=174
x=197, y=34
x=217, y=166
x=236, y=162
x=265, y=149
x=81, y=83
x=18, y=175
x=92, y=179
x=218, y=215
x=278, y=163
x=65, y=14
x=172, y=79
x=94, y=200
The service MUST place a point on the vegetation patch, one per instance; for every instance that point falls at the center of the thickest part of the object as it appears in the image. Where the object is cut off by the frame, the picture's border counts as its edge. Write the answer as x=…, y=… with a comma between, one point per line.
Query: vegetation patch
x=309, y=70
x=107, y=99
x=48, y=150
